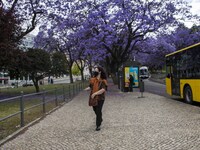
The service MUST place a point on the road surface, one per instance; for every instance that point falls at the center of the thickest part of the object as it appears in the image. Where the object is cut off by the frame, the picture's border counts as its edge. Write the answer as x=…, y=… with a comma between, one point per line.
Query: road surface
x=155, y=88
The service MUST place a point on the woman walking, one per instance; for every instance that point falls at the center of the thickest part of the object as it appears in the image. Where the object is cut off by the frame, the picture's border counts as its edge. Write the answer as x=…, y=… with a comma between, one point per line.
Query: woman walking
x=98, y=86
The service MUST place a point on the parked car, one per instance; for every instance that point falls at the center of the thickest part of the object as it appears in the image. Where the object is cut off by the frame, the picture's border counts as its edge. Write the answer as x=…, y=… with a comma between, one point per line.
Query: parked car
x=13, y=84
x=27, y=84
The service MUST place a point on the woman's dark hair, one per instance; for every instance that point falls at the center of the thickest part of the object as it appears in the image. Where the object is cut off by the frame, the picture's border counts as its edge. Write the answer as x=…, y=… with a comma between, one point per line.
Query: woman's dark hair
x=103, y=73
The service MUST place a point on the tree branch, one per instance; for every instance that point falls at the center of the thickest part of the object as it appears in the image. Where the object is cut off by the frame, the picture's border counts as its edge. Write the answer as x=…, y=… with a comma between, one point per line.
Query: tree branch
x=33, y=22
x=13, y=6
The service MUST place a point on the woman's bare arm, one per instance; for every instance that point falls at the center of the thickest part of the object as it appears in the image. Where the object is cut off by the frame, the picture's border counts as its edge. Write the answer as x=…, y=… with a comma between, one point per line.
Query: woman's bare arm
x=87, y=89
x=98, y=93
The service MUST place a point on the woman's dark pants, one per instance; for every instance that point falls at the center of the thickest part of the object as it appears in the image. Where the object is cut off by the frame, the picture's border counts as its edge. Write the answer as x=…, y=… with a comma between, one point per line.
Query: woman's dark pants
x=98, y=111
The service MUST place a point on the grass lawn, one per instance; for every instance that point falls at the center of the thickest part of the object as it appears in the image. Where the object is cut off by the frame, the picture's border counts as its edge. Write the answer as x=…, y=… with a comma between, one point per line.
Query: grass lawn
x=31, y=89
x=12, y=124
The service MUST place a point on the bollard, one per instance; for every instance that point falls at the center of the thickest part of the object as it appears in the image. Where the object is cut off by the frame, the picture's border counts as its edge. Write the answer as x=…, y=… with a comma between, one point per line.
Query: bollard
x=141, y=88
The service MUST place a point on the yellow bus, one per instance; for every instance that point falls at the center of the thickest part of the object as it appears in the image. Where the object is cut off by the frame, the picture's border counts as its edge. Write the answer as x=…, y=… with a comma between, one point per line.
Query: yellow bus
x=183, y=73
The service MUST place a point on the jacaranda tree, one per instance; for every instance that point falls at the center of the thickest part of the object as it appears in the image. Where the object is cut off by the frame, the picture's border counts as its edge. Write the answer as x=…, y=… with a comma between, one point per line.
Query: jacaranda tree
x=113, y=27
x=108, y=30
x=183, y=37
x=152, y=51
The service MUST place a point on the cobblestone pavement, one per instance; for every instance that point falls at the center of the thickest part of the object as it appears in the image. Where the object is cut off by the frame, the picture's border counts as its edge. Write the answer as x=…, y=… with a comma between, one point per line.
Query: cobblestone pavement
x=129, y=123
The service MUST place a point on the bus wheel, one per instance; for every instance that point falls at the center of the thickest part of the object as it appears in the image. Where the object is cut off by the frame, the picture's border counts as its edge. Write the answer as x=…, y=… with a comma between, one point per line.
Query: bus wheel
x=188, y=95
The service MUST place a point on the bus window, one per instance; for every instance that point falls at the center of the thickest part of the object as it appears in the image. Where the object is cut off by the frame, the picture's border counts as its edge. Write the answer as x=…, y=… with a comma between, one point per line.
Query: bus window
x=183, y=78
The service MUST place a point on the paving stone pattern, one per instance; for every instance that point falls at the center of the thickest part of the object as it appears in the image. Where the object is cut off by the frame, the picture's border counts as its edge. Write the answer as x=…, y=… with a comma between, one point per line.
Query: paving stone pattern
x=129, y=123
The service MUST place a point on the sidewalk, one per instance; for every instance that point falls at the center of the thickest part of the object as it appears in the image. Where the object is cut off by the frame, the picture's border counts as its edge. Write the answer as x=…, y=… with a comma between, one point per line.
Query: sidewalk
x=129, y=123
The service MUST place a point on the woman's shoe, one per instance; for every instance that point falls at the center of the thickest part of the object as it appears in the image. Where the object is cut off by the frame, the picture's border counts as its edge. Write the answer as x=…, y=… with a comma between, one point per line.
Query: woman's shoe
x=98, y=128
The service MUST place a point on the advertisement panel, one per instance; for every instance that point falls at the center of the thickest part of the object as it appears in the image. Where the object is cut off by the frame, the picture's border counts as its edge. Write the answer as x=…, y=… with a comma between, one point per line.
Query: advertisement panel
x=134, y=72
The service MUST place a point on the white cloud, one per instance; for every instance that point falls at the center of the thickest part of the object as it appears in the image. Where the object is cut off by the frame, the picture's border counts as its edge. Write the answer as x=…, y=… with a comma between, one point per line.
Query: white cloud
x=195, y=6
x=195, y=10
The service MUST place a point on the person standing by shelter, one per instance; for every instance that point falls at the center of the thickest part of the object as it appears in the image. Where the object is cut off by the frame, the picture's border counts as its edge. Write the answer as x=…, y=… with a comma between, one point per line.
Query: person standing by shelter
x=131, y=83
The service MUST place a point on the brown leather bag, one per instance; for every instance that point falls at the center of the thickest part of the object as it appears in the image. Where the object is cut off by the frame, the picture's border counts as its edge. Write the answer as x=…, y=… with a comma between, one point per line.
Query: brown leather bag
x=94, y=101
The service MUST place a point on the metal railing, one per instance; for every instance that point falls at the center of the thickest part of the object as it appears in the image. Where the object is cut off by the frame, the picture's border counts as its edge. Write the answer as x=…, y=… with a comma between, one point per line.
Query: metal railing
x=43, y=101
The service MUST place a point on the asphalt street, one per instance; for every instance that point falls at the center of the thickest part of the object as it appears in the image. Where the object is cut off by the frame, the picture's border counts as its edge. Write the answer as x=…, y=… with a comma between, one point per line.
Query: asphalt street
x=155, y=88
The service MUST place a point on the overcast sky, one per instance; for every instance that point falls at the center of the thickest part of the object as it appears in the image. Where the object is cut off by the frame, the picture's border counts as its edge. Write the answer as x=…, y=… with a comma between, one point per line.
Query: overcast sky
x=195, y=6
x=195, y=10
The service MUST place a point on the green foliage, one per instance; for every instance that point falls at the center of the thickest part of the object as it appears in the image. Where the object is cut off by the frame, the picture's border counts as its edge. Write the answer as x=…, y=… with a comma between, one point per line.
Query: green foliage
x=9, y=28
x=75, y=70
x=38, y=65
x=59, y=64
x=38, y=61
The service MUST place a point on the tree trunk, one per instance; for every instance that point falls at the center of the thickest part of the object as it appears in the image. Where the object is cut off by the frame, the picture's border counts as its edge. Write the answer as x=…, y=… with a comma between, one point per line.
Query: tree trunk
x=112, y=68
x=81, y=67
x=35, y=82
x=90, y=71
x=82, y=75
x=114, y=78
x=70, y=75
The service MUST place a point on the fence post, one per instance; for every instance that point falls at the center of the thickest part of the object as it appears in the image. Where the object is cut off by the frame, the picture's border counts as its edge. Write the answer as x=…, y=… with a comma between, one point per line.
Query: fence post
x=56, y=97
x=76, y=91
x=73, y=90
x=78, y=87
x=22, y=109
x=83, y=85
x=69, y=92
x=63, y=93
x=43, y=101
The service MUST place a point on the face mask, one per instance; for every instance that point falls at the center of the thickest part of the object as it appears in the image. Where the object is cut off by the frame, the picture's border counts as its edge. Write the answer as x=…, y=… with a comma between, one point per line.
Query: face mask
x=96, y=73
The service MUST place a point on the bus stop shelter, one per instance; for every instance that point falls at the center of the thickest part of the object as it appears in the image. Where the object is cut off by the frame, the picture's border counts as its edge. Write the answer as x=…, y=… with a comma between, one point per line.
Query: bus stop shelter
x=128, y=68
